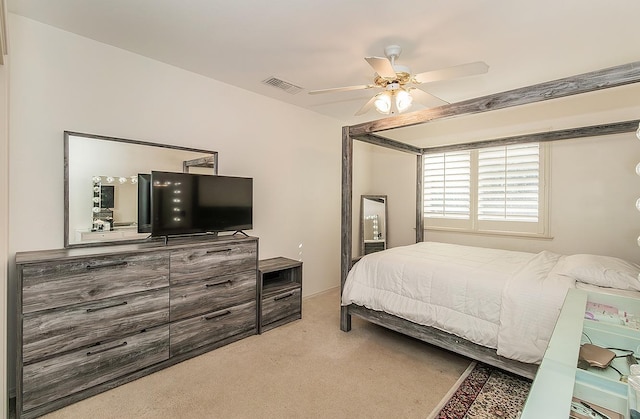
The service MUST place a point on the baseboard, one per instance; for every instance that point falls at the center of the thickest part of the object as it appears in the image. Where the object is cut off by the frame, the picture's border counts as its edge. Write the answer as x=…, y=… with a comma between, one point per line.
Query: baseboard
x=320, y=292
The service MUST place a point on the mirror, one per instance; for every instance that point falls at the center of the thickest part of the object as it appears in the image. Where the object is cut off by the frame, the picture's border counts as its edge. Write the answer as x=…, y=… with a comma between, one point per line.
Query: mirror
x=101, y=184
x=373, y=223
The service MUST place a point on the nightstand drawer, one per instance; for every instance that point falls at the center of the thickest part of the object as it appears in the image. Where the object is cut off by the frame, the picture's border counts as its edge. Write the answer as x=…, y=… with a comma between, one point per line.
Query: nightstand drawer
x=55, y=331
x=58, y=284
x=212, y=327
x=282, y=305
x=205, y=262
x=61, y=376
x=215, y=293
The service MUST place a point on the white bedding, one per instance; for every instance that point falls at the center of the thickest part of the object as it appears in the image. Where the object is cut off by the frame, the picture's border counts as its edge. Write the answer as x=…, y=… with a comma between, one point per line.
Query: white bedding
x=501, y=299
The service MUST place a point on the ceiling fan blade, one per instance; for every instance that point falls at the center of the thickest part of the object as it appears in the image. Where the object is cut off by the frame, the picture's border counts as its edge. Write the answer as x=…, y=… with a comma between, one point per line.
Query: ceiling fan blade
x=367, y=107
x=462, y=70
x=426, y=99
x=342, y=89
x=382, y=66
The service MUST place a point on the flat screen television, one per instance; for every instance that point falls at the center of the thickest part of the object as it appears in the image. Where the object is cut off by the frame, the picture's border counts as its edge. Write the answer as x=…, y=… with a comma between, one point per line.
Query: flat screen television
x=185, y=203
x=144, y=203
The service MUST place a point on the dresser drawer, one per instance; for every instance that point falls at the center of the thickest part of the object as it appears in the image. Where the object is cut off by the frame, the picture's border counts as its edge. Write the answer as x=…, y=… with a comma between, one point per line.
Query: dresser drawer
x=64, y=375
x=214, y=294
x=212, y=327
x=55, y=331
x=280, y=306
x=207, y=262
x=58, y=284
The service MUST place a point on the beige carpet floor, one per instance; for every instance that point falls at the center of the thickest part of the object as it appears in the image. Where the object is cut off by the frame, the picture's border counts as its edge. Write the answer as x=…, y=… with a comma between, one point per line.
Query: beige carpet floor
x=305, y=369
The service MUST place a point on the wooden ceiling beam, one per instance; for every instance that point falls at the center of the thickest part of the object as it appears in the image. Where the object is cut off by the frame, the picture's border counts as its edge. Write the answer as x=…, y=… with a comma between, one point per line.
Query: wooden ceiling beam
x=540, y=137
x=568, y=86
x=388, y=143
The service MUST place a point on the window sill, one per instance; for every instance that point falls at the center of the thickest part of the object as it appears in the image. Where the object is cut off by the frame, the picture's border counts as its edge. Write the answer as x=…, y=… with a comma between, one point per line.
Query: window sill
x=541, y=236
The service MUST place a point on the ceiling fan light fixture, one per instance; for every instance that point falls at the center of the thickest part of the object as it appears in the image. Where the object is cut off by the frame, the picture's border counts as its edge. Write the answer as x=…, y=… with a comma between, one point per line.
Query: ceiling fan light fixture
x=392, y=87
x=397, y=81
x=383, y=103
x=403, y=100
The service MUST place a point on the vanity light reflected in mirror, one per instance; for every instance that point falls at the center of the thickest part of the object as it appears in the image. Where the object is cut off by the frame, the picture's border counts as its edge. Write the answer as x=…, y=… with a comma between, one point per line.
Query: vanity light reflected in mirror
x=373, y=223
x=107, y=191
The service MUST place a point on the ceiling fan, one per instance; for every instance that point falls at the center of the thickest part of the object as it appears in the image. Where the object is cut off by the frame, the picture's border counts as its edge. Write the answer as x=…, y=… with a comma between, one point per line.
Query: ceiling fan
x=397, y=82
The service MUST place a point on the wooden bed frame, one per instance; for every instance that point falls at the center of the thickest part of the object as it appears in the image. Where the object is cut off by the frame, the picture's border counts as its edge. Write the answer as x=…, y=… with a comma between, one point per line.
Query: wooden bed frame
x=584, y=83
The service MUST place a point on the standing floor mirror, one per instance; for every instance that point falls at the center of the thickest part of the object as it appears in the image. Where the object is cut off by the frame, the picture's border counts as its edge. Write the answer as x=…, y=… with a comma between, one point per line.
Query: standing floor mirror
x=373, y=223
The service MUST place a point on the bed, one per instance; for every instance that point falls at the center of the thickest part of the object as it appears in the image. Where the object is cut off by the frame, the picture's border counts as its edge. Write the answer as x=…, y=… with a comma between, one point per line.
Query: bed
x=371, y=133
x=496, y=306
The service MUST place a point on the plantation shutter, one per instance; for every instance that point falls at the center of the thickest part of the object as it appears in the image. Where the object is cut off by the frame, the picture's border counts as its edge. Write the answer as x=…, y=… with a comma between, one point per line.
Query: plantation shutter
x=508, y=183
x=447, y=185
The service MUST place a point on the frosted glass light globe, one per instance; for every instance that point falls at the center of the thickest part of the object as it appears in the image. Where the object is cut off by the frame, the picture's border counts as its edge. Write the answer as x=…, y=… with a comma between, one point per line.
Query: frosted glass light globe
x=403, y=100
x=383, y=103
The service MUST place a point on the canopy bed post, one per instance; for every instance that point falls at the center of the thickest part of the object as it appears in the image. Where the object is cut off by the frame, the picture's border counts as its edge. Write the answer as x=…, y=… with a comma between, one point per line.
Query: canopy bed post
x=420, y=199
x=347, y=222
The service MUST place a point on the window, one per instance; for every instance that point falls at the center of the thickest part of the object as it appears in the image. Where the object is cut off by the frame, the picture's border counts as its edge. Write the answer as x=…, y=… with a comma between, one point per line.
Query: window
x=447, y=185
x=497, y=189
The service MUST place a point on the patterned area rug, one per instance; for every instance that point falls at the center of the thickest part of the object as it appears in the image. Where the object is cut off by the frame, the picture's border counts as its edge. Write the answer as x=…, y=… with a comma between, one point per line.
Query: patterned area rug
x=484, y=392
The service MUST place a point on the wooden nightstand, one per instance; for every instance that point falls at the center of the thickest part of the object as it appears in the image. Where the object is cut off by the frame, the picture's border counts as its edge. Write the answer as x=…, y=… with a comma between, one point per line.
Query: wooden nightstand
x=279, y=291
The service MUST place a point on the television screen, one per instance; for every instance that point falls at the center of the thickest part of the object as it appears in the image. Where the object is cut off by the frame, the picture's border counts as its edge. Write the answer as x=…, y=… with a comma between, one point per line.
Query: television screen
x=184, y=203
x=144, y=203
x=107, y=193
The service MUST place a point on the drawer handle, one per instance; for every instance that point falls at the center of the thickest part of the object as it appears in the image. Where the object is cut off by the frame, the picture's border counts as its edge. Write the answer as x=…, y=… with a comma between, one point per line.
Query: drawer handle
x=282, y=297
x=209, y=252
x=106, y=265
x=91, y=310
x=215, y=316
x=99, y=351
x=216, y=284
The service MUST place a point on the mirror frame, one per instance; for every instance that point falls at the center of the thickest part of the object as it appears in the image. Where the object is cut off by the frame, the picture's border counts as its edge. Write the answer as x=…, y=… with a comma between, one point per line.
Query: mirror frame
x=67, y=134
x=385, y=232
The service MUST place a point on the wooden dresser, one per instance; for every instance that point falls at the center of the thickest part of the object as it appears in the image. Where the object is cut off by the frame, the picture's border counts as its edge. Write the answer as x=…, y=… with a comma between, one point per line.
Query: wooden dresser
x=90, y=319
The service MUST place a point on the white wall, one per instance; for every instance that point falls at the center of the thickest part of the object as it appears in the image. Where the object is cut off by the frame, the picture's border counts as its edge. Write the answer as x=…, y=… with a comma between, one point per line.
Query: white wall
x=61, y=81
x=361, y=185
x=394, y=175
x=593, y=185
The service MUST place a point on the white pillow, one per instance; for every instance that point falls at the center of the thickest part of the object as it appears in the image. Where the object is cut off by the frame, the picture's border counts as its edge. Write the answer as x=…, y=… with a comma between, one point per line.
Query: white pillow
x=603, y=271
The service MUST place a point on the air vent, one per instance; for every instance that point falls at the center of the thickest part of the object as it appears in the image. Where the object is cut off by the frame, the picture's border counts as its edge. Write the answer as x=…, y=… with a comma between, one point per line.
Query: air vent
x=292, y=89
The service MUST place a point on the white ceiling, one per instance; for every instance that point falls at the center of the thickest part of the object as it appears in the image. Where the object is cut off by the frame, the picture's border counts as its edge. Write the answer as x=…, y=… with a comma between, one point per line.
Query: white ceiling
x=317, y=44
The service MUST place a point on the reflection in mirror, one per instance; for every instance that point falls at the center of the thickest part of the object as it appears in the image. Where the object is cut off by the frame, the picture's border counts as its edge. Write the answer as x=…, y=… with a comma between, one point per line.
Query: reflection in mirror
x=373, y=223
x=113, y=205
x=101, y=183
